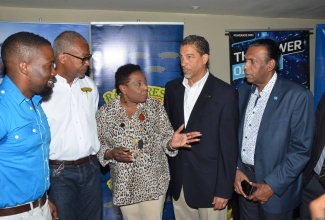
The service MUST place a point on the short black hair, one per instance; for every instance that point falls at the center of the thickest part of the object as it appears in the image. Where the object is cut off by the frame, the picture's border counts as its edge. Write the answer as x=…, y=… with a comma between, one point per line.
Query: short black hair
x=272, y=48
x=23, y=44
x=200, y=43
x=123, y=73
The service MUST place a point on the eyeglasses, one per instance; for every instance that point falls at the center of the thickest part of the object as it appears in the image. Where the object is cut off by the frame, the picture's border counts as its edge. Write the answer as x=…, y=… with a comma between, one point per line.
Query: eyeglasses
x=83, y=59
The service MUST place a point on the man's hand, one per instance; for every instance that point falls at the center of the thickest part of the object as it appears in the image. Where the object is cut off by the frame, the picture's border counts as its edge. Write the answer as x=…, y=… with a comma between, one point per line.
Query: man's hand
x=240, y=176
x=262, y=194
x=219, y=203
x=54, y=214
x=317, y=207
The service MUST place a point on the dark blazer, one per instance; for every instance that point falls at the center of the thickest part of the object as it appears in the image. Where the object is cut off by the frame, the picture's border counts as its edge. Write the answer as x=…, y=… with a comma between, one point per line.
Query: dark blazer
x=208, y=168
x=319, y=141
x=284, y=141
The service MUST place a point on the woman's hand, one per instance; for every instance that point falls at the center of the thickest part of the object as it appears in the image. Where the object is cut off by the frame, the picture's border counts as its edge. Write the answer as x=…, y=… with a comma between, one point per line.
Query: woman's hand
x=120, y=154
x=184, y=139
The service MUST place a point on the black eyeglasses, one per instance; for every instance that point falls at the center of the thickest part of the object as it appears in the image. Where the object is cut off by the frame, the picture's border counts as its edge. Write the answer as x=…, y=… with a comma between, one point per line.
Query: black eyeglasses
x=83, y=59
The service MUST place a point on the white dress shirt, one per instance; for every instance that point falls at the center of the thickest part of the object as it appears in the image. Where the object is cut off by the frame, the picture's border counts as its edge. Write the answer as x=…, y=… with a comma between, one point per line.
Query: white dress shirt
x=71, y=116
x=253, y=116
x=191, y=94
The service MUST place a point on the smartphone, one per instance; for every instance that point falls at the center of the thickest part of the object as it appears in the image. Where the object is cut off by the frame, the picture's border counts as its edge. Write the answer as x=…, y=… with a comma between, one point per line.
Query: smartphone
x=247, y=188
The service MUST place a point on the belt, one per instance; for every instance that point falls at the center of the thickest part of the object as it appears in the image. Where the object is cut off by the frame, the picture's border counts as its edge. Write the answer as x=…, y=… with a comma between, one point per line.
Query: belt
x=72, y=162
x=248, y=167
x=24, y=208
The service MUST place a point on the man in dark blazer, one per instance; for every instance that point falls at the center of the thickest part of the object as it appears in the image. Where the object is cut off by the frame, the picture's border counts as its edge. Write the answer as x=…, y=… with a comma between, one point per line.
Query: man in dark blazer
x=312, y=187
x=202, y=176
x=276, y=132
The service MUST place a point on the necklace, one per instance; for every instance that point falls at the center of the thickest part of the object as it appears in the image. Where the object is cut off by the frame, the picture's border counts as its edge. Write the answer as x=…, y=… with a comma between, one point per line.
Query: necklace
x=133, y=128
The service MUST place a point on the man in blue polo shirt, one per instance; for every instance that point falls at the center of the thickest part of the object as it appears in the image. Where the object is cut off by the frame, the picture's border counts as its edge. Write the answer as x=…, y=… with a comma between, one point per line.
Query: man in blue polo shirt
x=24, y=131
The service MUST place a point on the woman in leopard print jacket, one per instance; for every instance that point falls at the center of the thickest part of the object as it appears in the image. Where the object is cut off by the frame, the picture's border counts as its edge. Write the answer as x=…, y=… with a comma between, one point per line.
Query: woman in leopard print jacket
x=135, y=136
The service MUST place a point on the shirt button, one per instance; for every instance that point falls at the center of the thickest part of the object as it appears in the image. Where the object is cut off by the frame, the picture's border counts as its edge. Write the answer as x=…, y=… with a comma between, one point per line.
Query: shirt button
x=31, y=108
x=34, y=130
x=3, y=91
x=16, y=136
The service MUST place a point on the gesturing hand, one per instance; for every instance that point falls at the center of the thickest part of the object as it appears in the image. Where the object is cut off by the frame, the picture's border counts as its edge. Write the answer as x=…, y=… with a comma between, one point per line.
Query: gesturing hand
x=184, y=139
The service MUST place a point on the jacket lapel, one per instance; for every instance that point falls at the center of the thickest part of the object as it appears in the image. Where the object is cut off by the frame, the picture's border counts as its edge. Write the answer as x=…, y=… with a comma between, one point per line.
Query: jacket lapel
x=246, y=97
x=203, y=99
x=271, y=105
x=179, y=103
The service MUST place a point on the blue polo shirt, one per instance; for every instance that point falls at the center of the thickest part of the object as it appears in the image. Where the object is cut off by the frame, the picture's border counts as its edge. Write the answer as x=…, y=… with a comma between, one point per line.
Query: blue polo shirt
x=24, y=147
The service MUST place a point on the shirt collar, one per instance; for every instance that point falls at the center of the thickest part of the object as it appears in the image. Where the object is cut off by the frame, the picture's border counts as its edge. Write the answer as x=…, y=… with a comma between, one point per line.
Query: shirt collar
x=64, y=80
x=267, y=89
x=9, y=88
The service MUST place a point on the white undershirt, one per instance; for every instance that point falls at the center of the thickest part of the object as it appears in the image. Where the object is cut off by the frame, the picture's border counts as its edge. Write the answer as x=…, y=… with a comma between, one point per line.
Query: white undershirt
x=191, y=94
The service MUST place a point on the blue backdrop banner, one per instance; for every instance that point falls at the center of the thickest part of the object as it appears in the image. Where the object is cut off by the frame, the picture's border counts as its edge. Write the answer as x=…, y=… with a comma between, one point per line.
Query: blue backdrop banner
x=293, y=64
x=319, y=63
x=46, y=30
x=153, y=46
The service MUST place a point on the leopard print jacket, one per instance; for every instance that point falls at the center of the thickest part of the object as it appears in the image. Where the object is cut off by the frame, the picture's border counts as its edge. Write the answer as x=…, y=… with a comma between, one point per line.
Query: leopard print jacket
x=147, y=177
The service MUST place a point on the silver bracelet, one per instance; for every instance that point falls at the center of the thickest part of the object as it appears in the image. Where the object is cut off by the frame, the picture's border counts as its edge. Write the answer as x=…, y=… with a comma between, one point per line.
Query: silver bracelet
x=170, y=146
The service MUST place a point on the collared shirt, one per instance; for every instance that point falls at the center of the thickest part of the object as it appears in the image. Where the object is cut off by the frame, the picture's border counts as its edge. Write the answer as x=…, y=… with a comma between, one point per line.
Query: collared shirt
x=24, y=147
x=253, y=117
x=147, y=177
x=191, y=95
x=71, y=114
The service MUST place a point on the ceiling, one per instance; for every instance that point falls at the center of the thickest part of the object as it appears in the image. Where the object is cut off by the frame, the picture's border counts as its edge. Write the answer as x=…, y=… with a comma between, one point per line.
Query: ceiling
x=305, y=9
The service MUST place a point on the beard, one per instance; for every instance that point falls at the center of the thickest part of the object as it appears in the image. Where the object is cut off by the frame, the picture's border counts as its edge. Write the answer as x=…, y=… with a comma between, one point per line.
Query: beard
x=46, y=93
x=188, y=75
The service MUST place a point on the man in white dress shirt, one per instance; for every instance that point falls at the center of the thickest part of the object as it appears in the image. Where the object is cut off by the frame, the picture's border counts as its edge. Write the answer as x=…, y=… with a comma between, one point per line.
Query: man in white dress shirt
x=71, y=108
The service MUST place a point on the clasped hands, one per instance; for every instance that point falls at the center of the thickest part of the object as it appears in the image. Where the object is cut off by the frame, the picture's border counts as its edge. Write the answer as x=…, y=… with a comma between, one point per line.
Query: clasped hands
x=262, y=193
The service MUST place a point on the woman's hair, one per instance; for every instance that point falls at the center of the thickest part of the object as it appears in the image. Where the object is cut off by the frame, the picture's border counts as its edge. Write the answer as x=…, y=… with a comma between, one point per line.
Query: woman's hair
x=123, y=73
